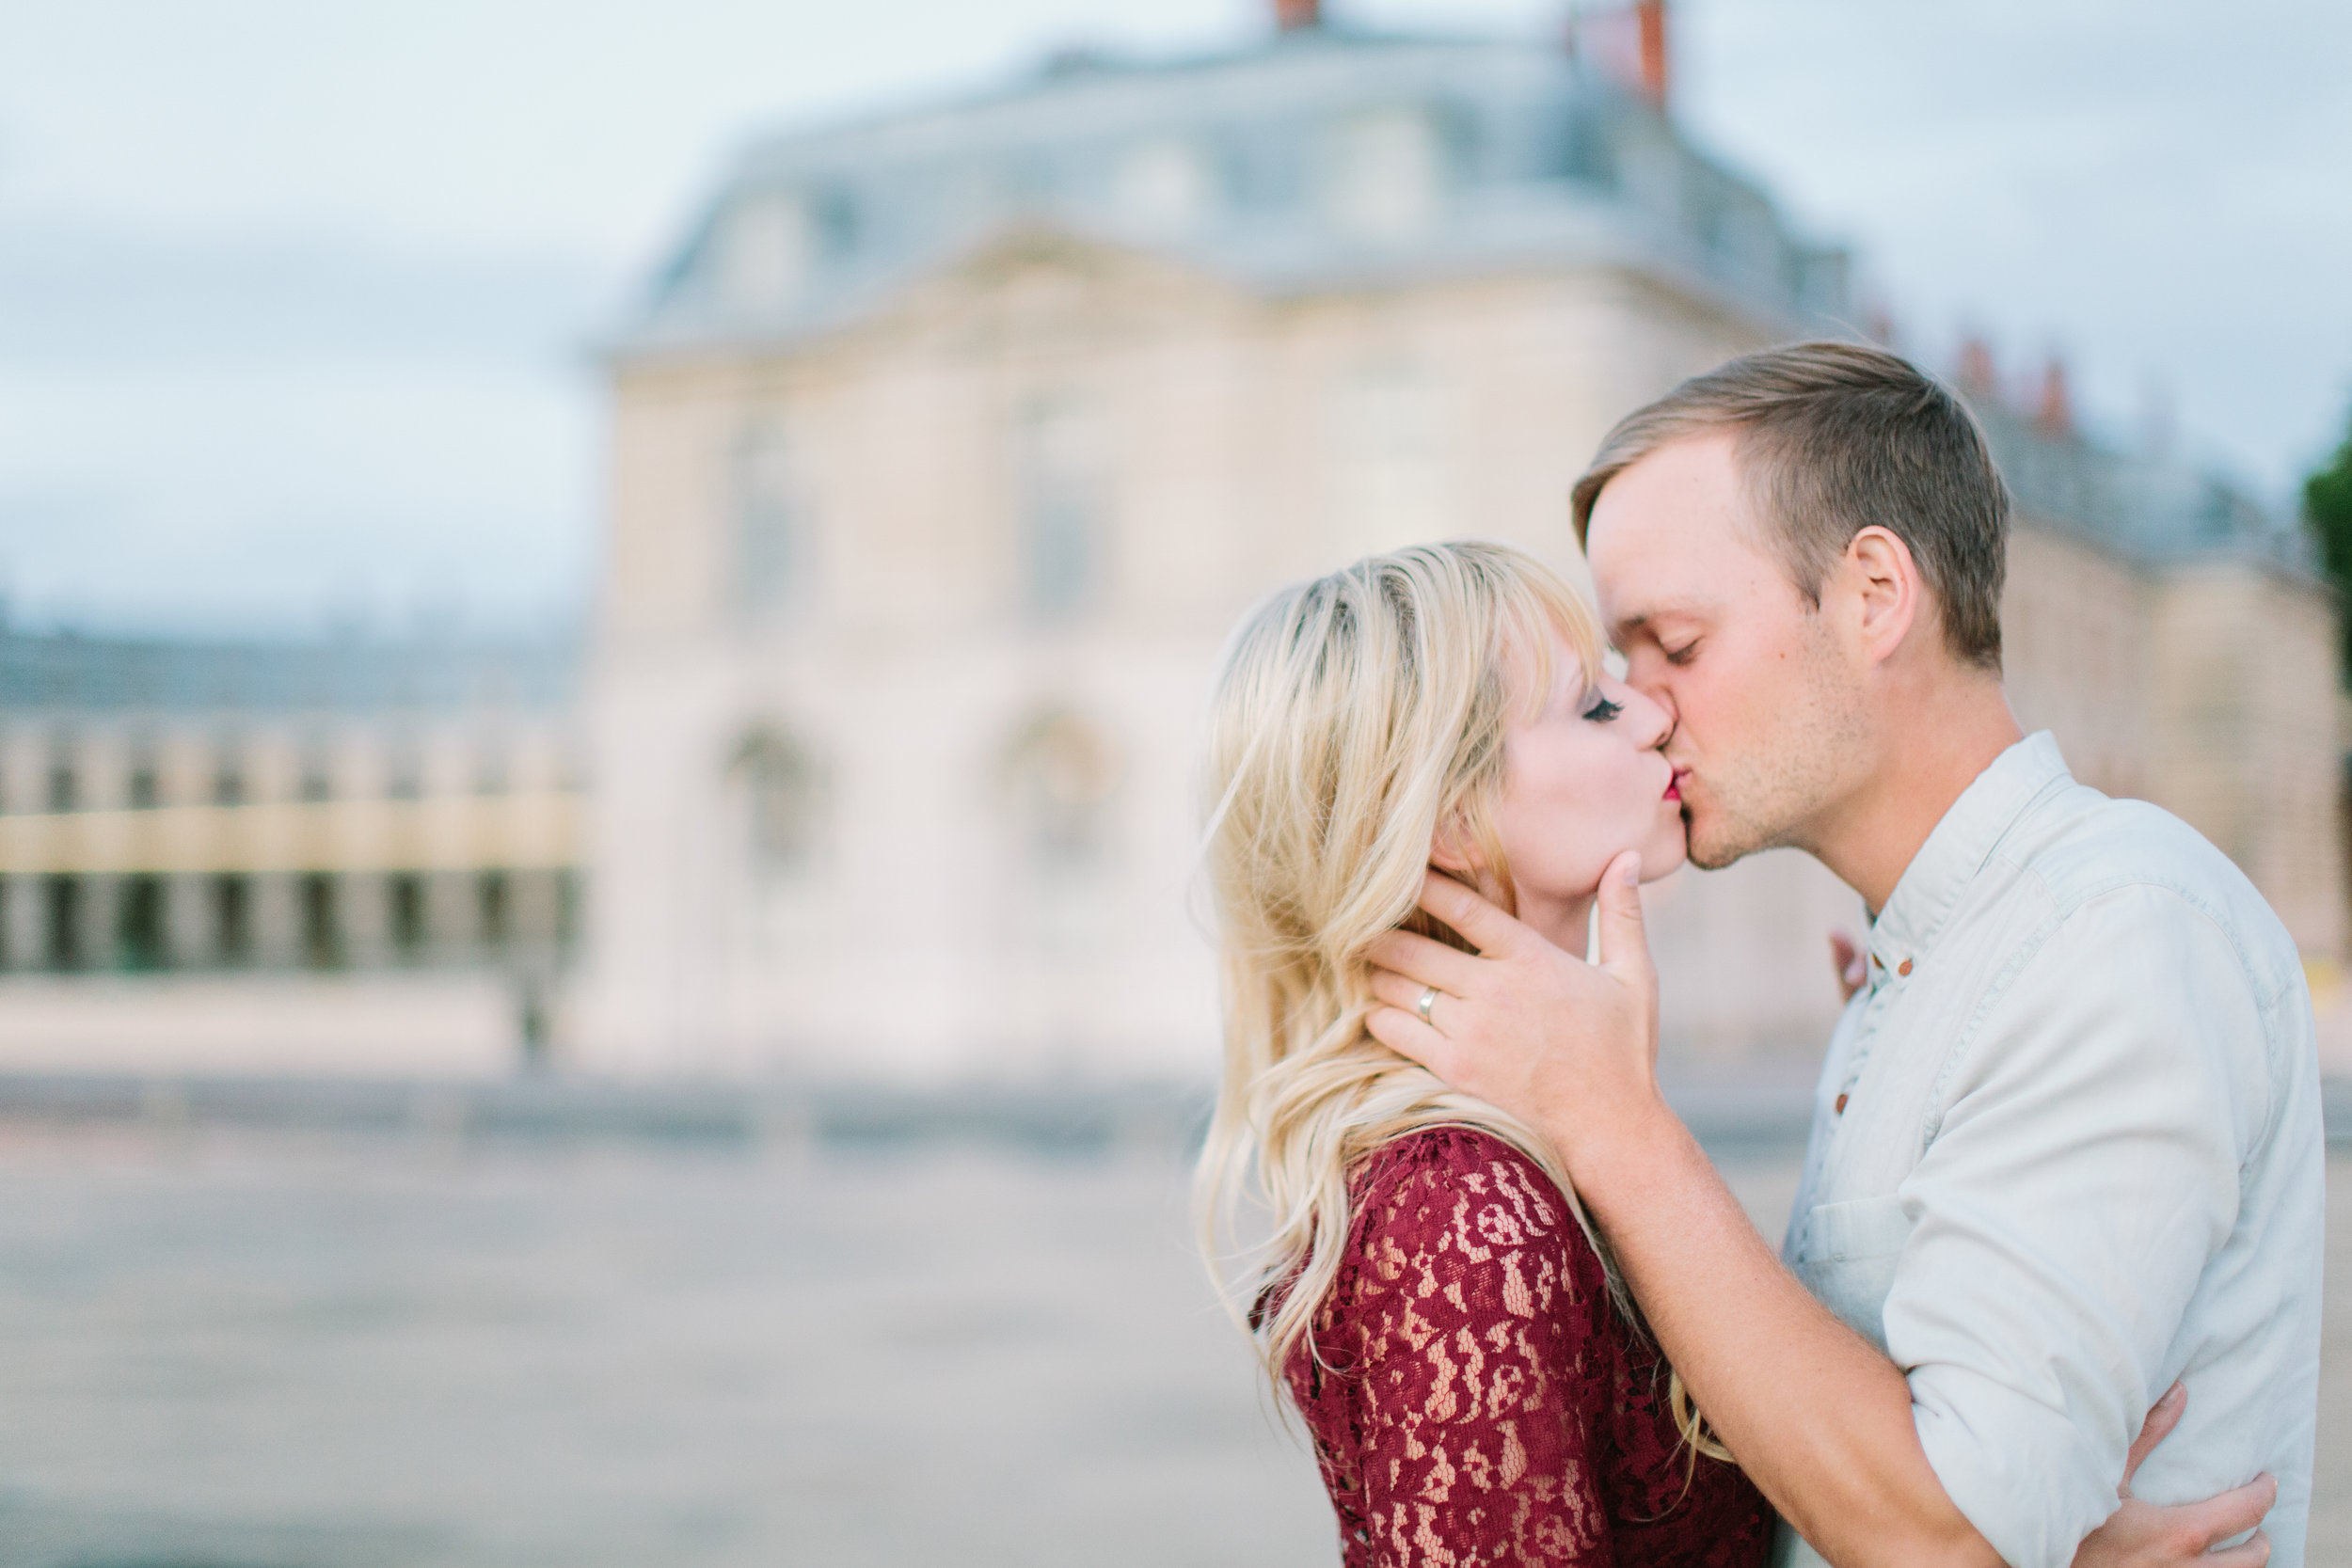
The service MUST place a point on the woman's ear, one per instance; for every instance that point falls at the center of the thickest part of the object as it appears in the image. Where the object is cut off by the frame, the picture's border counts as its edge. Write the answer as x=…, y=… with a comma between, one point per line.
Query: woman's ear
x=1450, y=851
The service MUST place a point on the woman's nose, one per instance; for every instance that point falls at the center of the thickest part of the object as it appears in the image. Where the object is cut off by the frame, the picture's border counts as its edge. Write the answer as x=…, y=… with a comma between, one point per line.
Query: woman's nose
x=1657, y=722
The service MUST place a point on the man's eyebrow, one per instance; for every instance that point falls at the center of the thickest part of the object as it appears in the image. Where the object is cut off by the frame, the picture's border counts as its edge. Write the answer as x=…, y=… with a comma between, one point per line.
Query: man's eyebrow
x=1642, y=620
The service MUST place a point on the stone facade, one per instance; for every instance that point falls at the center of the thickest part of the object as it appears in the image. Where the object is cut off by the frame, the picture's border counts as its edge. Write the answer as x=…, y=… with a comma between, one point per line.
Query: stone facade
x=952, y=444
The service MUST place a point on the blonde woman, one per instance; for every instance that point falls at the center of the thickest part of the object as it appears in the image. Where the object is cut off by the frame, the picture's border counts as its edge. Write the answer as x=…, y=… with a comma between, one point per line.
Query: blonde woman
x=1430, y=1296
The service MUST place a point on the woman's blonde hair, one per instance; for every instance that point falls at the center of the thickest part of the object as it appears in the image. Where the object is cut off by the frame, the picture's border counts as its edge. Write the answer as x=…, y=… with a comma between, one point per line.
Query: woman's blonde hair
x=1356, y=715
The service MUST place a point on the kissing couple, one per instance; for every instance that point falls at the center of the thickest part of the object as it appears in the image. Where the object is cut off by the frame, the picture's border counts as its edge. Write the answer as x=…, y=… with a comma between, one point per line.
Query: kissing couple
x=2051, y=1290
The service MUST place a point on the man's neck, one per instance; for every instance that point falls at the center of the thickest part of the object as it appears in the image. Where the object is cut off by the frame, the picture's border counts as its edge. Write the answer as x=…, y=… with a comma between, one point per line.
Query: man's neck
x=1946, y=738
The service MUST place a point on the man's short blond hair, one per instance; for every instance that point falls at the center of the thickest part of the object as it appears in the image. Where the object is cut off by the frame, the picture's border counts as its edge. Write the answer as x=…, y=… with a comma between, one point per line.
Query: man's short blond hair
x=1834, y=437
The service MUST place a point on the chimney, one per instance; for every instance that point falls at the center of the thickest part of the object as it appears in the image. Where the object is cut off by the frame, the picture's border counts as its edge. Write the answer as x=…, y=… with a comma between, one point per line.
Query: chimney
x=1650, y=18
x=2054, y=412
x=1291, y=16
x=1977, y=381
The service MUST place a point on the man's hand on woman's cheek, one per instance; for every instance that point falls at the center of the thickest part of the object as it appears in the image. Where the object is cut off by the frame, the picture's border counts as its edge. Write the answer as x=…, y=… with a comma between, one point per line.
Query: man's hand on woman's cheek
x=1569, y=1047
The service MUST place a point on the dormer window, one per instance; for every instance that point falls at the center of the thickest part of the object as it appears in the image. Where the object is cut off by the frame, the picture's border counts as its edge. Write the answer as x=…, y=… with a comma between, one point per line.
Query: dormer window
x=1385, y=175
x=766, y=245
x=1164, y=188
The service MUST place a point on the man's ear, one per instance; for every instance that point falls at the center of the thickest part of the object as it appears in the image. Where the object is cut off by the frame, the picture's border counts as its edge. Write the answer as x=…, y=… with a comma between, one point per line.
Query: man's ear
x=1887, y=595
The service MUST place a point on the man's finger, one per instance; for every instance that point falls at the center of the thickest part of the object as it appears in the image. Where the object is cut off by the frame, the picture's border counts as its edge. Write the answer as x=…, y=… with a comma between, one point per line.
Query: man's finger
x=1405, y=994
x=2253, y=1552
x=1424, y=962
x=1624, y=942
x=2163, y=1417
x=2230, y=1513
x=1846, y=958
x=1487, y=929
x=1409, y=1037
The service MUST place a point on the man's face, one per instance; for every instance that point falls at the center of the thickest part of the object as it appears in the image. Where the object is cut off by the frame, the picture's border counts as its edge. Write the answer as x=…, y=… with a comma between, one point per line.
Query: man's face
x=1771, y=730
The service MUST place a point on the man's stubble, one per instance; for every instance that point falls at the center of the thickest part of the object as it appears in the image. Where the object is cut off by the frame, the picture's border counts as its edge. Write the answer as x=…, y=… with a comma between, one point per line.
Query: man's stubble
x=1783, y=778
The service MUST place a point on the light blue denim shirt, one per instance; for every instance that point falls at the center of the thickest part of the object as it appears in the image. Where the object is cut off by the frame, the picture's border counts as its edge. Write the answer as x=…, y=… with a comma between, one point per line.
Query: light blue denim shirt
x=2067, y=1149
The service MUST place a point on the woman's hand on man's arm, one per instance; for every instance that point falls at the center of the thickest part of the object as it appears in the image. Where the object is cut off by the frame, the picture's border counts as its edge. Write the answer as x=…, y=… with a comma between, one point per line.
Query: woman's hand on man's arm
x=2149, y=1535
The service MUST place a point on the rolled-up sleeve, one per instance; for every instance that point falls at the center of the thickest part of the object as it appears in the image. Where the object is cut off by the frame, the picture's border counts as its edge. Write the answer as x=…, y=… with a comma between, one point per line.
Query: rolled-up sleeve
x=2082, y=1170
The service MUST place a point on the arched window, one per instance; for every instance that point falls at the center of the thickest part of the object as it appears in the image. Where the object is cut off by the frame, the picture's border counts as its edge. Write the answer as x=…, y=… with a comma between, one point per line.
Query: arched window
x=769, y=517
x=1061, y=773
x=780, y=795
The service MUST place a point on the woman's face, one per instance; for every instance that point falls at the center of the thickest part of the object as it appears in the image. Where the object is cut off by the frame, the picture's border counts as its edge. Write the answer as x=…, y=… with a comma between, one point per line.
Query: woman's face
x=1585, y=778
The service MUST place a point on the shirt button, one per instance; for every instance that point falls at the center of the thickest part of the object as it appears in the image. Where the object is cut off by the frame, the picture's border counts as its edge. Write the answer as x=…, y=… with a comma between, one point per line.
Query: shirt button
x=1903, y=968
x=1841, y=1104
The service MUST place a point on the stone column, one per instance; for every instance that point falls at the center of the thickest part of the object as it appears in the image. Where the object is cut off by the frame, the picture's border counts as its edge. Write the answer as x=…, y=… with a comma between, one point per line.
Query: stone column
x=277, y=922
x=188, y=937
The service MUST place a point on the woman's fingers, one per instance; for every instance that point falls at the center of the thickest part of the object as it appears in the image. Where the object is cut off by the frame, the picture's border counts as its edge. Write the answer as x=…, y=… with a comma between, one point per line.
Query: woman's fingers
x=2253, y=1552
x=2163, y=1417
x=2232, y=1514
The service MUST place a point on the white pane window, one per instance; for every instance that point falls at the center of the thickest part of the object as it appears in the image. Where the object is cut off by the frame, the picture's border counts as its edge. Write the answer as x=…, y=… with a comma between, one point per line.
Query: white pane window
x=1062, y=777
x=1385, y=174
x=767, y=508
x=1061, y=502
x=1390, y=444
x=763, y=248
x=777, y=784
x=1164, y=188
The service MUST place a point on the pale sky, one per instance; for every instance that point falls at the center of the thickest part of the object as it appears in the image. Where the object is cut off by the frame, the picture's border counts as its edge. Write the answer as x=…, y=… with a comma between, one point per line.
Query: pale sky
x=297, y=300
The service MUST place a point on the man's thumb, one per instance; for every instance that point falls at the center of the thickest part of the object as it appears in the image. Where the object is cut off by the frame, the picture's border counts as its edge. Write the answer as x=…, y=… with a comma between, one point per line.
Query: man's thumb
x=1624, y=945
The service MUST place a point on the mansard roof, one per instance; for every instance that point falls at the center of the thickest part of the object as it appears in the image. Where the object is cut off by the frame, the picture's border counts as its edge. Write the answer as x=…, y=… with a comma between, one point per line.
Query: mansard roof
x=1326, y=158
x=69, y=672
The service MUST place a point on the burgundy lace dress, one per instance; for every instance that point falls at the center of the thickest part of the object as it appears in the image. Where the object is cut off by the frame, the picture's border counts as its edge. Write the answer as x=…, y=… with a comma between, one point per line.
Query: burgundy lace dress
x=1480, y=1402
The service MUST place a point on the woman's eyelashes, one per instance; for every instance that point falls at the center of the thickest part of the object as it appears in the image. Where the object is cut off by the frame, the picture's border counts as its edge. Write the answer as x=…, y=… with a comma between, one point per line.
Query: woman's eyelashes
x=1602, y=709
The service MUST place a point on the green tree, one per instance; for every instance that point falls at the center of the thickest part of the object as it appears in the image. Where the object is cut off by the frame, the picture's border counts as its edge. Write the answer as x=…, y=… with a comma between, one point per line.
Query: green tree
x=2327, y=513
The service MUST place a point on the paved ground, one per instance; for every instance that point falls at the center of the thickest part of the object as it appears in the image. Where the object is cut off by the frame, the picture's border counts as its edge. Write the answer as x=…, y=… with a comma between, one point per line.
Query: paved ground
x=263, y=1351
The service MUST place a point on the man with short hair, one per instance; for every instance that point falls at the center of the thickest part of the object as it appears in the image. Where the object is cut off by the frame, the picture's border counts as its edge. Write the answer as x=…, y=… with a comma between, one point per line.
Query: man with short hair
x=2067, y=1145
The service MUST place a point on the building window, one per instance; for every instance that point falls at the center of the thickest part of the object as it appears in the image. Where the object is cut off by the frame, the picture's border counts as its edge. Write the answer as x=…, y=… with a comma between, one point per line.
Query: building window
x=322, y=933
x=1062, y=773
x=1061, y=502
x=405, y=895
x=317, y=781
x=566, y=910
x=1386, y=174
x=233, y=919
x=765, y=248
x=403, y=770
x=780, y=793
x=64, y=786
x=1390, y=439
x=145, y=792
x=768, y=521
x=493, y=897
x=1164, y=189
x=62, y=896
x=140, y=923
x=492, y=771
x=229, y=777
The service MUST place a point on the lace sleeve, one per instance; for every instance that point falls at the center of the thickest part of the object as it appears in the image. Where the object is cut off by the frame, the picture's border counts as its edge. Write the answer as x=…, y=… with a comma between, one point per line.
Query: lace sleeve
x=1467, y=1316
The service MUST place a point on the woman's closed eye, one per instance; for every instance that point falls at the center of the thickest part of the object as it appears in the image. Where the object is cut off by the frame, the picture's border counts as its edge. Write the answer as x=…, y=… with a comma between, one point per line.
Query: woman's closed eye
x=1602, y=709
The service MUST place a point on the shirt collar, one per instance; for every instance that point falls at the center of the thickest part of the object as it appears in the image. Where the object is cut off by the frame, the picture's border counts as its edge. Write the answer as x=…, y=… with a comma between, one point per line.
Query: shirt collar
x=1931, y=884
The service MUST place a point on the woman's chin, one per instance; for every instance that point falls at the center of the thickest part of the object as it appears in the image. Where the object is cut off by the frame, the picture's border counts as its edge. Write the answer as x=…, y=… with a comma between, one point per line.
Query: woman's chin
x=1664, y=854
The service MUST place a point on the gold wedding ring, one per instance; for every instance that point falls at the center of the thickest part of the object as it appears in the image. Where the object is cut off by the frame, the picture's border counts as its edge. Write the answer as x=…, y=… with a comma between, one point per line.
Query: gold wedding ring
x=1428, y=1000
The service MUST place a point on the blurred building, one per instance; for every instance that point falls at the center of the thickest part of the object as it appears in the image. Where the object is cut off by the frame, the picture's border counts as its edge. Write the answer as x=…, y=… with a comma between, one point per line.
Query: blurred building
x=342, y=857
x=953, y=442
